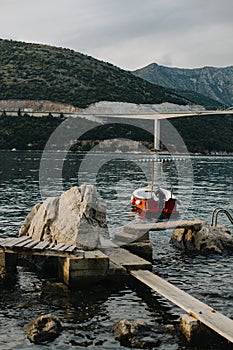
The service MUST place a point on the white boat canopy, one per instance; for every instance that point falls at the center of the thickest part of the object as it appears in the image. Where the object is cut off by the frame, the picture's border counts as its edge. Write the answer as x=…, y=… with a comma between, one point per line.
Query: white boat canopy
x=147, y=193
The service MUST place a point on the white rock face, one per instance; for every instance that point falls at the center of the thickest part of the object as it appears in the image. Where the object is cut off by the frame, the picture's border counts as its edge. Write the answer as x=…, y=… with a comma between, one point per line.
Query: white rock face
x=77, y=217
x=105, y=107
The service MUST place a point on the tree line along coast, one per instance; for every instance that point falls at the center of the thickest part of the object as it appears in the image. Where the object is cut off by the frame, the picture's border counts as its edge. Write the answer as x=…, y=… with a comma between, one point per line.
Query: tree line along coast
x=202, y=135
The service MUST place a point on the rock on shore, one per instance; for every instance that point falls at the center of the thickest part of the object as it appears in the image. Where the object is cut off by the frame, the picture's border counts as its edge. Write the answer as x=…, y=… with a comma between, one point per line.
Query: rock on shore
x=207, y=239
x=77, y=217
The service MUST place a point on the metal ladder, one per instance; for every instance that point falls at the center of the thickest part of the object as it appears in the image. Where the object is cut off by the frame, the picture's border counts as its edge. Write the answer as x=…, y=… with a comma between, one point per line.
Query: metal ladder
x=215, y=213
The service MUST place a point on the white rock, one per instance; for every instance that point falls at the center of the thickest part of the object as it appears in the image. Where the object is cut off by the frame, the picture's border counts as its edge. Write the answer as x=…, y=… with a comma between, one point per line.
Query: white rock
x=77, y=217
x=107, y=107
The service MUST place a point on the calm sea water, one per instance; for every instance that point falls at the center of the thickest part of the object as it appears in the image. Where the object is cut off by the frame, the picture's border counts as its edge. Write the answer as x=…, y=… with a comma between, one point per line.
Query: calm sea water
x=88, y=316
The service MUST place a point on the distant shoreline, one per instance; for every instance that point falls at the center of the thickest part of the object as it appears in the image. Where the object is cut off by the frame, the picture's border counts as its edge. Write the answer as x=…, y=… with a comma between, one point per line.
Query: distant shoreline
x=164, y=154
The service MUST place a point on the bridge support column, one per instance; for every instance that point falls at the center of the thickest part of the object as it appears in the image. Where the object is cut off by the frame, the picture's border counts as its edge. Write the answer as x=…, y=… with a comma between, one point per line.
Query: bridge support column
x=157, y=134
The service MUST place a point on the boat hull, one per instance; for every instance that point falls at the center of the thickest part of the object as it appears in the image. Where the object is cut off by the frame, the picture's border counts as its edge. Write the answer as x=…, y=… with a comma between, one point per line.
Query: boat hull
x=154, y=204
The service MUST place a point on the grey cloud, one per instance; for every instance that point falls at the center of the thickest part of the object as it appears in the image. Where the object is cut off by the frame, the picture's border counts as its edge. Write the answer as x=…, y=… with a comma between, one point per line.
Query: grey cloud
x=128, y=33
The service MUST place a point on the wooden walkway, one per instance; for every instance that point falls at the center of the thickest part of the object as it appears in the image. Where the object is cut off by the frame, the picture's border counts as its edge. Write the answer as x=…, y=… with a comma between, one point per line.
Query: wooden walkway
x=163, y=225
x=195, y=308
x=123, y=258
x=69, y=263
x=75, y=266
x=27, y=245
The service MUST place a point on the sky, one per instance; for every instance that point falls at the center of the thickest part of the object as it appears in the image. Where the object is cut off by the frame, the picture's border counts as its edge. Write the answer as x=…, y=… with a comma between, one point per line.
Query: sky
x=127, y=33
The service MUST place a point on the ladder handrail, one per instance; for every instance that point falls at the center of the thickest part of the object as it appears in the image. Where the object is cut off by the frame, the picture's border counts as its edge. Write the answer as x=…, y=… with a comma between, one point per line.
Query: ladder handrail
x=215, y=213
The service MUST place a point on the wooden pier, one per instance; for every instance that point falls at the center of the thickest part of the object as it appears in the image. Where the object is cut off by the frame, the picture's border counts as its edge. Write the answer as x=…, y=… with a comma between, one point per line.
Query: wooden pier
x=66, y=261
x=75, y=267
x=25, y=243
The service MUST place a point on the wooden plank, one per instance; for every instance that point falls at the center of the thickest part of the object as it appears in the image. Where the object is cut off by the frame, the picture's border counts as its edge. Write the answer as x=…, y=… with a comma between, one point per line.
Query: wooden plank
x=123, y=238
x=14, y=241
x=160, y=226
x=23, y=243
x=41, y=245
x=71, y=249
x=58, y=246
x=66, y=246
x=9, y=243
x=195, y=308
x=51, y=246
x=3, y=241
x=126, y=259
x=31, y=244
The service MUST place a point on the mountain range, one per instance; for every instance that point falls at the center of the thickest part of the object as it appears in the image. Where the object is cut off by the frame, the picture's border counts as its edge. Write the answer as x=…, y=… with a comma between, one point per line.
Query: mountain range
x=212, y=82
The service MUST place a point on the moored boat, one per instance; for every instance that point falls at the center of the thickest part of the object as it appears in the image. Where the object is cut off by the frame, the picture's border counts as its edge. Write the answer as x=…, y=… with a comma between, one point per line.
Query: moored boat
x=157, y=202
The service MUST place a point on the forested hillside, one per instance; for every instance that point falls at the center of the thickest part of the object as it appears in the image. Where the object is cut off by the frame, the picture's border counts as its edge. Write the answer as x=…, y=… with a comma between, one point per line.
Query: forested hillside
x=41, y=72
x=209, y=134
x=201, y=134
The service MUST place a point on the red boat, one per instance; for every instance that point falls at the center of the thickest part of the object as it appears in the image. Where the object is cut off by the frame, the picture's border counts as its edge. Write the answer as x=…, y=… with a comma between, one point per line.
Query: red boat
x=156, y=202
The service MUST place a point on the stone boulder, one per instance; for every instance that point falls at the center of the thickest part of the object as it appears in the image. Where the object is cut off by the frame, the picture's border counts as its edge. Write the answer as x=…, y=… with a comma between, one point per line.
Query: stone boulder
x=77, y=217
x=44, y=329
x=136, y=334
x=207, y=239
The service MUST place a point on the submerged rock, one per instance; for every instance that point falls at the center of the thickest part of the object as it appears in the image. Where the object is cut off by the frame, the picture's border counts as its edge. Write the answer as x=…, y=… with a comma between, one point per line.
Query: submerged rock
x=207, y=239
x=43, y=329
x=136, y=334
x=77, y=217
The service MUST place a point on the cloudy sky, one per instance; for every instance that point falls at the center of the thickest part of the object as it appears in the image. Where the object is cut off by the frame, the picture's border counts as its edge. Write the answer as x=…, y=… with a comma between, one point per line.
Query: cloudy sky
x=127, y=33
